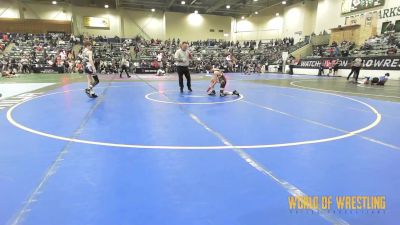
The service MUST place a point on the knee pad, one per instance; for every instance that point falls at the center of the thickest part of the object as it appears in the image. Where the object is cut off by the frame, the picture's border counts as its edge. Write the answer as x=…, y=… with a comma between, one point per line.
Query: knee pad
x=96, y=80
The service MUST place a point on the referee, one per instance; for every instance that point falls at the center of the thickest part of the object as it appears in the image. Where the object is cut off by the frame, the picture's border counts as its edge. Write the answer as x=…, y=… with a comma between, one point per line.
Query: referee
x=182, y=58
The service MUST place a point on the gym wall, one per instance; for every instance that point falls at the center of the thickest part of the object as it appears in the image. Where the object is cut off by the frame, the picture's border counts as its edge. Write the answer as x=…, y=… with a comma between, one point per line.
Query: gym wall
x=296, y=20
x=34, y=26
x=265, y=25
x=197, y=26
x=300, y=19
x=329, y=14
x=145, y=23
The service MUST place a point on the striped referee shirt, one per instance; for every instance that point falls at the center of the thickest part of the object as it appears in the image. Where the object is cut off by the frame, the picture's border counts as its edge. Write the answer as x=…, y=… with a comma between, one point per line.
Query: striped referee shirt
x=182, y=57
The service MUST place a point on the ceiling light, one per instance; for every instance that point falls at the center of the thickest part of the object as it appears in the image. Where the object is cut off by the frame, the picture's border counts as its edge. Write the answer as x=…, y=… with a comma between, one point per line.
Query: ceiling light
x=106, y=6
x=228, y=6
x=256, y=13
x=153, y=10
x=183, y=2
x=54, y=2
x=283, y=2
x=277, y=14
x=243, y=17
x=196, y=12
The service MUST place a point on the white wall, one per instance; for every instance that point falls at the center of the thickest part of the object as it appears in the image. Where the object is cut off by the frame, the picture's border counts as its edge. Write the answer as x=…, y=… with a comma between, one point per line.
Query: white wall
x=265, y=25
x=313, y=16
x=296, y=20
x=46, y=12
x=299, y=19
x=8, y=9
x=257, y=28
x=143, y=23
x=328, y=15
x=388, y=4
x=190, y=27
x=113, y=16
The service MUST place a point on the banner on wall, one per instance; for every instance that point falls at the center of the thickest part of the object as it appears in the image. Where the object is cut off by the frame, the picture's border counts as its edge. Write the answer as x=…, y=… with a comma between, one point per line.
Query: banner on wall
x=96, y=22
x=140, y=70
x=349, y=6
x=369, y=63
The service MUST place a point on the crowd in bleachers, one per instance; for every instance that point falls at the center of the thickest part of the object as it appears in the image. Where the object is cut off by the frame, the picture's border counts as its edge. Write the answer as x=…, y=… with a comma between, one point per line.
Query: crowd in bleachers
x=56, y=50
x=381, y=45
x=378, y=45
x=30, y=51
x=230, y=56
x=334, y=50
x=3, y=45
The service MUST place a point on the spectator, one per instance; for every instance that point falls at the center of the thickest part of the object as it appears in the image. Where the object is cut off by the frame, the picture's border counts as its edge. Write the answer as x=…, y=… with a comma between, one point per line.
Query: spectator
x=391, y=51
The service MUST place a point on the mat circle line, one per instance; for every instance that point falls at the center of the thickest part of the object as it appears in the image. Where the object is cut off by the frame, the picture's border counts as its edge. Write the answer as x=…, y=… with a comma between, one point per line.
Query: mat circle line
x=11, y=119
x=147, y=96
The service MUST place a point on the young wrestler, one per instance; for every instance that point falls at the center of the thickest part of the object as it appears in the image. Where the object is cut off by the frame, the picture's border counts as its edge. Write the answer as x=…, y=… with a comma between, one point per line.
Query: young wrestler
x=380, y=81
x=90, y=70
x=219, y=77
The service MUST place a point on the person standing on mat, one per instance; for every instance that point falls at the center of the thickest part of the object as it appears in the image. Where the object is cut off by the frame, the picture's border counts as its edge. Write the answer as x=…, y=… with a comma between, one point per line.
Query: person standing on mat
x=291, y=61
x=124, y=67
x=90, y=70
x=182, y=58
x=356, y=67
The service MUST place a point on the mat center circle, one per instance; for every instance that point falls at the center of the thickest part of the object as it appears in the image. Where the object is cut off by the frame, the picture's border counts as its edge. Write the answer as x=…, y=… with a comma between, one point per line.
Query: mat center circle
x=177, y=98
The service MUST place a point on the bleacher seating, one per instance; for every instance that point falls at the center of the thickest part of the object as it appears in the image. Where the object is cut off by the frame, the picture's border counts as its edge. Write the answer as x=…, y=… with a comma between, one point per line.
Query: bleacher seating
x=44, y=50
x=387, y=44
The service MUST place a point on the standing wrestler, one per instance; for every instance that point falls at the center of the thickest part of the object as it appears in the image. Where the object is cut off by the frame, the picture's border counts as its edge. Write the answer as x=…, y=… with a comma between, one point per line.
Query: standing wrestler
x=90, y=70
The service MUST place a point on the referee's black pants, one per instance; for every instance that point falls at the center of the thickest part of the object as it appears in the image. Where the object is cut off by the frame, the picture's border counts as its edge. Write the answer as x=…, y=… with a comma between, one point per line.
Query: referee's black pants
x=356, y=73
x=291, y=69
x=184, y=70
x=353, y=69
x=124, y=68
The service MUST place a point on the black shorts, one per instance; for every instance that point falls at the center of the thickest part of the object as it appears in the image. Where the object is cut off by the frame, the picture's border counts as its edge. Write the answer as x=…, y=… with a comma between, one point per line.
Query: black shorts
x=89, y=70
x=222, y=79
x=375, y=80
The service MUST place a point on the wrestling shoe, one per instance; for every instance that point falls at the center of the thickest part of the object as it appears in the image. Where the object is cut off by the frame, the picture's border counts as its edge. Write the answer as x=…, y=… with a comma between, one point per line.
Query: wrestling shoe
x=87, y=91
x=212, y=93
x=222, y=94
x=235, y=93
x=190, y=89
